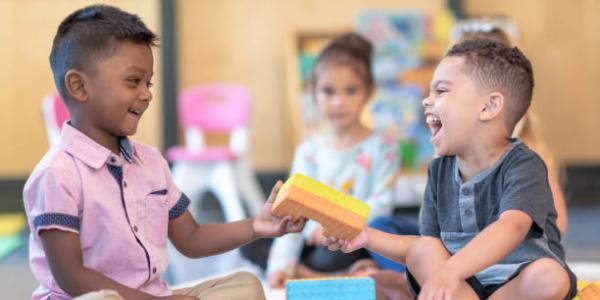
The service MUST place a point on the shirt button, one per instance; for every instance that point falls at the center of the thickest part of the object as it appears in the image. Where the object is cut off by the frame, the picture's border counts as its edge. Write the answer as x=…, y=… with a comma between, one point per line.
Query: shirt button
x=154, y=270
x=124, y=183
x=466, y=192
x=135, y=228
x=468, y=212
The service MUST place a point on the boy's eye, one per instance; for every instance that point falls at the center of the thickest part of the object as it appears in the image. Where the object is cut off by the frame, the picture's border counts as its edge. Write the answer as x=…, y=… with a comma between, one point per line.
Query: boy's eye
x=133, y=81
x=440, y=91
x=149, y=84
x=351, y=90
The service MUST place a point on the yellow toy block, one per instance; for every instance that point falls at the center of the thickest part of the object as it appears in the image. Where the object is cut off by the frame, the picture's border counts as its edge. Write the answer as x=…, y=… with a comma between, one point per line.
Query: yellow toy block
x=342, y=216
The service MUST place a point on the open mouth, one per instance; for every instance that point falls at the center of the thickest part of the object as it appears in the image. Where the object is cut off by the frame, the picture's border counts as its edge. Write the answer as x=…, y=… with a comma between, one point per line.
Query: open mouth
x=435, y=124
x=137, y=112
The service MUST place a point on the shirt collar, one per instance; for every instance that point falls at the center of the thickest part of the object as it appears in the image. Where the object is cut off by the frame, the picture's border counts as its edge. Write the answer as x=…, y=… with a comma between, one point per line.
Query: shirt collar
x=89, y=151
x=481, y=175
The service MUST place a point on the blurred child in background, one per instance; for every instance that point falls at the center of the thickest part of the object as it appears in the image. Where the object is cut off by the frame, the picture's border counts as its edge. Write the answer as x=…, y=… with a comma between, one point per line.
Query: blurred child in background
x=348, y=156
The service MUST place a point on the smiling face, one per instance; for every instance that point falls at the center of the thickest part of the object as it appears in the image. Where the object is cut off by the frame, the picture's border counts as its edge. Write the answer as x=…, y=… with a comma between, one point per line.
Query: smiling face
x=453, y=107
x=118, y=93
x=341, y=94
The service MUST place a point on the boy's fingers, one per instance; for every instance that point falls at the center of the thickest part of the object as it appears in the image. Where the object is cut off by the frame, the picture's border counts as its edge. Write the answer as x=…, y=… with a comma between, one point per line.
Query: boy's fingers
x=299, y=224
x=274, y=191
x=333, y=247
x=283, y=224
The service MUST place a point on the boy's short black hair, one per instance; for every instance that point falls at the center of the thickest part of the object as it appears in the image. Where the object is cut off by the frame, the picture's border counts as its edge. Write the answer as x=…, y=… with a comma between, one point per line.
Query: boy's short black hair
x=91, y=34
x=501, y=68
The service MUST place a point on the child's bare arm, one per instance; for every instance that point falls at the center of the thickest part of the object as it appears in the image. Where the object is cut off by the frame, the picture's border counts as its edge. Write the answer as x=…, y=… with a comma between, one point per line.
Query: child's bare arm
x=66, y=264
x=392, y=246
x=494, y=243
x=194, y=240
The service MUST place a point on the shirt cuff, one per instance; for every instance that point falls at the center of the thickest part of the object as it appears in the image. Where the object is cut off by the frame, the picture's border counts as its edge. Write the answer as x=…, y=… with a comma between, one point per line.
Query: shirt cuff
x=180, y=207
x=56, y=220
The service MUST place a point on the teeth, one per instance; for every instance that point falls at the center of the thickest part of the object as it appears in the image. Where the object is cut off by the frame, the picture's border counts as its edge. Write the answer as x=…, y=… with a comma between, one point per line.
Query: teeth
x=135, y=111
x=432, y=120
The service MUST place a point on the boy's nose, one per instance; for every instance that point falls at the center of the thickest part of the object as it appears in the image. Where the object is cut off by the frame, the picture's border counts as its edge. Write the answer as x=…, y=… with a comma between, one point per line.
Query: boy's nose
x=146, y=95
x=426, y=101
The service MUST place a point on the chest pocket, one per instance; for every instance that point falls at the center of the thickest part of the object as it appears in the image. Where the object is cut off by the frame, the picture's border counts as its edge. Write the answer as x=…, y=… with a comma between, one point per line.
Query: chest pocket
x=156, y=211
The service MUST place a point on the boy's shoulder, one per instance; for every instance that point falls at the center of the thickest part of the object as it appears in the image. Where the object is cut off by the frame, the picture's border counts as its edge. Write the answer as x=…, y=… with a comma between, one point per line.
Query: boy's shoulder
x=145, y=151
x=56, y=161
x=56, y=158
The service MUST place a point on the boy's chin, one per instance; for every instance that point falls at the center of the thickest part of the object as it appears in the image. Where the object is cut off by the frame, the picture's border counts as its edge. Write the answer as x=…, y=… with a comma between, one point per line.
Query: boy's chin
x=440, y=151
x=128, y=131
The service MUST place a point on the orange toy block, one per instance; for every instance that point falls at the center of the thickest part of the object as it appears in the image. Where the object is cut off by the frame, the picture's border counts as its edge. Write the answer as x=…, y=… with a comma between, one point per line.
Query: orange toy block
x=342, y=216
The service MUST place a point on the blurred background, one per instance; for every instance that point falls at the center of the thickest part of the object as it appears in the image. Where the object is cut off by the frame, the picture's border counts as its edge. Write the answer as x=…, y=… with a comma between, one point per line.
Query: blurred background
x=267, y=46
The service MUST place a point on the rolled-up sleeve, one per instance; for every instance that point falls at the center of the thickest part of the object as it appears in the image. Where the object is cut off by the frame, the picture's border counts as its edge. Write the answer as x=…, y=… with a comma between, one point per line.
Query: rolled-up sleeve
x=53, y=201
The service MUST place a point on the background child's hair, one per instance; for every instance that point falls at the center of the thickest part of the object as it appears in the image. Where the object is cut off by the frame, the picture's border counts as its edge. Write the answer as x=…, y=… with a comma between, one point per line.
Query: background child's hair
x=350, y=49
x=497, y=66
x=91, y=34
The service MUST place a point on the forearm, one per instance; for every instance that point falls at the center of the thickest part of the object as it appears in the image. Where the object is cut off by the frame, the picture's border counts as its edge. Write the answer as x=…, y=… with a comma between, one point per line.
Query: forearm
x=66, y=264
x=211, y=239
x=391, y=246
x=81, y=280
x=495, y=242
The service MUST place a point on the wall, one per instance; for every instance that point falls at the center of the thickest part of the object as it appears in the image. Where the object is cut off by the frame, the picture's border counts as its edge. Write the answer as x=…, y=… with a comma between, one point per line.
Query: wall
x=27, y=29
x=244, y=42
x=563, y=42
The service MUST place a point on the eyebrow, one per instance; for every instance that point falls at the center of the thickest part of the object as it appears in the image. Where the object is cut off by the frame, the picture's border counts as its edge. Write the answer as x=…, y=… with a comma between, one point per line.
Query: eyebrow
x=436, y=83
x=139, y=70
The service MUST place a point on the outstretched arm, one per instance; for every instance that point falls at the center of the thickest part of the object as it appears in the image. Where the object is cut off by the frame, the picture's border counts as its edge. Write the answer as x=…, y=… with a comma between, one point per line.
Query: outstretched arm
x=392, y=246
x=194, y=240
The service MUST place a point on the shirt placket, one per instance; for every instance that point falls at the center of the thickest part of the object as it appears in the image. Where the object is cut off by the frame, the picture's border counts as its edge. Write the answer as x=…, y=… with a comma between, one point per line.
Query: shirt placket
x=118, y=169
x=466, y=203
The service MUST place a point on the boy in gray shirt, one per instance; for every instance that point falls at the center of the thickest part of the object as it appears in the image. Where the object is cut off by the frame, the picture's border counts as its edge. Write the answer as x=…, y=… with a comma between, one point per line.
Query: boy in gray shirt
x=488, y=228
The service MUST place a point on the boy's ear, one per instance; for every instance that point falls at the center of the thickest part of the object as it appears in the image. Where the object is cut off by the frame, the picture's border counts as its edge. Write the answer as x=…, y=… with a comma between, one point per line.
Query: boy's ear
x=75, y=84
x=492, y=107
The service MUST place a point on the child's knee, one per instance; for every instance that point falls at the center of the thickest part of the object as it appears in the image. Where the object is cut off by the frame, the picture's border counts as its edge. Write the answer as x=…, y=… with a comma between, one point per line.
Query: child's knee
x=250, y=282
x=246, y=277
x=545, y=278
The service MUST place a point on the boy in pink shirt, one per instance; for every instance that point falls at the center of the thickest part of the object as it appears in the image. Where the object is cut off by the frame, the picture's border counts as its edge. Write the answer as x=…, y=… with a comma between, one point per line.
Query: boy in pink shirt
x=100, y=206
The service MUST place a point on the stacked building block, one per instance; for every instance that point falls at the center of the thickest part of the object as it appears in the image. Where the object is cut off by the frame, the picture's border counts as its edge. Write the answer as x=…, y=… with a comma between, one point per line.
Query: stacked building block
x=336, y=288
x=342, y=216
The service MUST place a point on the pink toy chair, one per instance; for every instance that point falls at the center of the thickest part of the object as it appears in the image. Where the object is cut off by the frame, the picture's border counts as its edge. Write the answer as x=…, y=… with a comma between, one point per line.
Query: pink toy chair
x=218, y=108
x=203, y=110
x=55, y=114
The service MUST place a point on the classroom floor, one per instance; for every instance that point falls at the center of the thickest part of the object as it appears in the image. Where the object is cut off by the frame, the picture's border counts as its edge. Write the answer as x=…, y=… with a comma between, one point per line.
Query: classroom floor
x=582, y=244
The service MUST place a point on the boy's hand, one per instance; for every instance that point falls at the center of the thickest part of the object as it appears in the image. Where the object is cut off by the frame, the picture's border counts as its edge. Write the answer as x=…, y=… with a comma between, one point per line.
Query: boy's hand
x=265, y=224
x=442, y=286
x=316, y=237
x=360, y=241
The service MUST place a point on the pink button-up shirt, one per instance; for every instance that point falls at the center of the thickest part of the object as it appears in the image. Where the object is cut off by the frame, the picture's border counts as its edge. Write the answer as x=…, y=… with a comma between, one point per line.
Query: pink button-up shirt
x=119, y=205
